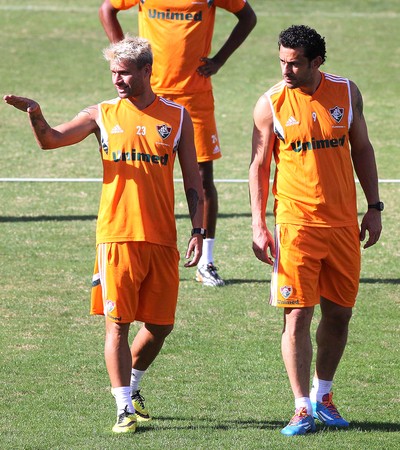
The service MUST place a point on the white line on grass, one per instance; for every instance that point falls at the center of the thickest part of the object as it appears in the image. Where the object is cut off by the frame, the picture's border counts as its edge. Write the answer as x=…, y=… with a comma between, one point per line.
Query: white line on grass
x=99, y=180
x=62, y=9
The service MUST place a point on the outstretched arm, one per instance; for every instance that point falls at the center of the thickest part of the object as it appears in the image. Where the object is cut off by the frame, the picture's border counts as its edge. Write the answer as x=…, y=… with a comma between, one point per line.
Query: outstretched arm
x=68, y=133
x=259, y=173
x=193, y=187
x=109, y=20
x=247, y=20
x=363, y=157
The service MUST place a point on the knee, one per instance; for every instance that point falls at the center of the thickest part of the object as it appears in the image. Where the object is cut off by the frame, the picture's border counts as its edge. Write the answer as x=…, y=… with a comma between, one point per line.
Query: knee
x=297, y=322
x=335, y=313
x=339, y=318
x=159, y=332
x=116, y=332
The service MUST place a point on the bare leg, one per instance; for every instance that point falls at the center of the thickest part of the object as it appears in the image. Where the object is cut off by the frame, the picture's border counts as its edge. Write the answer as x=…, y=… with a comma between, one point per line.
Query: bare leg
x=332, y=335
x=210, y=198
x=117, y=353
x=297, y=349
x=147, y=345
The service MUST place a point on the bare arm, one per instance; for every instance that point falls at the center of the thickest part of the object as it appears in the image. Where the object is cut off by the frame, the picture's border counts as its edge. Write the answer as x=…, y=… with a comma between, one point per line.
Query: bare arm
x=363, y=157
x=193, y=187
x=109, y=20
x=247, y=20
x=259, y=173
x=68, y=133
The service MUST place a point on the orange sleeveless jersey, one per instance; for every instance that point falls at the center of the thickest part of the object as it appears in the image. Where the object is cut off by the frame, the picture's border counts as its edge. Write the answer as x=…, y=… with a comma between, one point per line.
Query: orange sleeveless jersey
x=314, y=180
x=138, y=151
x=180, y=33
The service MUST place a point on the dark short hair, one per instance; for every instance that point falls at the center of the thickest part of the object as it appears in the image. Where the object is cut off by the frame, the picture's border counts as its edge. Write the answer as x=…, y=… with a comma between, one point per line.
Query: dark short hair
x=302, y=36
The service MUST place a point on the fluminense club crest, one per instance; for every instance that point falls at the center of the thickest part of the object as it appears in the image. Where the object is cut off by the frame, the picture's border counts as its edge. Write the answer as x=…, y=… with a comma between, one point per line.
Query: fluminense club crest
x=286, y=291
x=337, y=113
x=110, y=305
x=164, y=130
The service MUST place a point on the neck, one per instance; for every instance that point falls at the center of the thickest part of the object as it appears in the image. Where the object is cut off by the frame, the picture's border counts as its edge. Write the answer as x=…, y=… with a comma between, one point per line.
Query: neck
x=143, y=101
x=313, y=86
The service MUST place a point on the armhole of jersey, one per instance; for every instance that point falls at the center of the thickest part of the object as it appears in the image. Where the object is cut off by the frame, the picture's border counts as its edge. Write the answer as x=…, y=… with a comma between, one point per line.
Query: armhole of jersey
x=178, y=134
x=350, y=118
x=277, y=127
x=103, y=132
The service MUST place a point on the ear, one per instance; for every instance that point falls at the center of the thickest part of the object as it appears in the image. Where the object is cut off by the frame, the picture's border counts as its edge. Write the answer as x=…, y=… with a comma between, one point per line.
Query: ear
x=148, y=69
x=316, y=62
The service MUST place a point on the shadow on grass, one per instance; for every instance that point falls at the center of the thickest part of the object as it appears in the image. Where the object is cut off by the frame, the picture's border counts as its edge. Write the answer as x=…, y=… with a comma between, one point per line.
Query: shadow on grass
x=43, y=218
x=362, y=280
x=11, y=219
x=206, y=423
x=165, y=422
x=375, y=426
x=380, y=280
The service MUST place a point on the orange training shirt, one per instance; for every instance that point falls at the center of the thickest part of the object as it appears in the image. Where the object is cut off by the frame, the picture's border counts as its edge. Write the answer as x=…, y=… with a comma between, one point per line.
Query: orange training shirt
x=138, y=151
x=180, y=33
x=314, y=180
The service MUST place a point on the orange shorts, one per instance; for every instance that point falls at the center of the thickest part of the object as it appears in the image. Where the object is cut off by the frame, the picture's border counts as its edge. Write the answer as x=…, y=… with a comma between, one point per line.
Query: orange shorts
x=312, y=262
x=135, y=281
x=201, y=109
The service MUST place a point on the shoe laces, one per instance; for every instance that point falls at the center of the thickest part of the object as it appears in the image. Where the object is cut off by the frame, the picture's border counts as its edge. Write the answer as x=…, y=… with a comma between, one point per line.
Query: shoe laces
x=139, y=398
x=212, y=268
x=328, y=403
x=124, y=414
x=299, y=414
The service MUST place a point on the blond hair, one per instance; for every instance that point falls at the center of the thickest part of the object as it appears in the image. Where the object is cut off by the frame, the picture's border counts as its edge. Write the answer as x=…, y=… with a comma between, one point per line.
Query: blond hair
x=131, y=48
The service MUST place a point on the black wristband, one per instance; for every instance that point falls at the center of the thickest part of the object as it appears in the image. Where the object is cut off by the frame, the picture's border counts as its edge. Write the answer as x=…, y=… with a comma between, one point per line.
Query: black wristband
x=379, y=206
x=201, y=231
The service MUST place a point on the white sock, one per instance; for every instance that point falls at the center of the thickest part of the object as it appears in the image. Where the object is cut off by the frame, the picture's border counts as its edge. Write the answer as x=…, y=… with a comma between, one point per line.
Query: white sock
x=136, y=376
x=319, y=389
x=207, y=255
x=303, y=402
x=123, y=399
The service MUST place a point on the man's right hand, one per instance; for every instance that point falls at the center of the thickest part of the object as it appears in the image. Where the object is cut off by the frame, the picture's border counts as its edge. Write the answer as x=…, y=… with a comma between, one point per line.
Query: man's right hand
x=262, y=242
x=21, y=103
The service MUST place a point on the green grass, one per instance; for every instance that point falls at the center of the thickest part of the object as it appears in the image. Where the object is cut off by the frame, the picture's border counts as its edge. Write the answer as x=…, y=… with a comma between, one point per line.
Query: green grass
x=219, y=382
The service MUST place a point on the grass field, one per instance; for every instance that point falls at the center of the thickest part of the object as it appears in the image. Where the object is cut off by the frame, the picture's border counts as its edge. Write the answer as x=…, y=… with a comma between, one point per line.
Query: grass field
x=219, y=382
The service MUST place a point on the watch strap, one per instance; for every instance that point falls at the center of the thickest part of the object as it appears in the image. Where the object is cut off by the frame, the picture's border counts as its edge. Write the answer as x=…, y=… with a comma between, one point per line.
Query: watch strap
x=201, y=231
x=379, y=206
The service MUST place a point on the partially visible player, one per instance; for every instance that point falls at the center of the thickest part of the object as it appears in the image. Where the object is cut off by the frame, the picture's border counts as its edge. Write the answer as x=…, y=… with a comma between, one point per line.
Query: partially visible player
x=312, y=123
x=136, y=270
x=181, y=32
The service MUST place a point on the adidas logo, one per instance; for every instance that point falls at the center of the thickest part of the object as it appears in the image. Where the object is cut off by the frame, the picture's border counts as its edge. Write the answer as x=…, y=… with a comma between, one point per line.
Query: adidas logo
x=292, y=121
x=117, y=129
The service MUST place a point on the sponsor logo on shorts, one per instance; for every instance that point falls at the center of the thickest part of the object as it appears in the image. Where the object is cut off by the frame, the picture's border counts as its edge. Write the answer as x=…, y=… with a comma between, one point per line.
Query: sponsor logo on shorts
x=114, y=319
x=288, y=302
x=286, y=291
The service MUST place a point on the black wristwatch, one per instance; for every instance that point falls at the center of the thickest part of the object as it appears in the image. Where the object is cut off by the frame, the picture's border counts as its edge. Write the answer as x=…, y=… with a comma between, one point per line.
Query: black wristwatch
x=201, y=231
x=379, y=206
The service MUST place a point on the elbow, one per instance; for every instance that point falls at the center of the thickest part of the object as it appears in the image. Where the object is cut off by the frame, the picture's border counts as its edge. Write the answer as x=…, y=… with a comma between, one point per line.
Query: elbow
x=46, y=145
x=252, y=21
